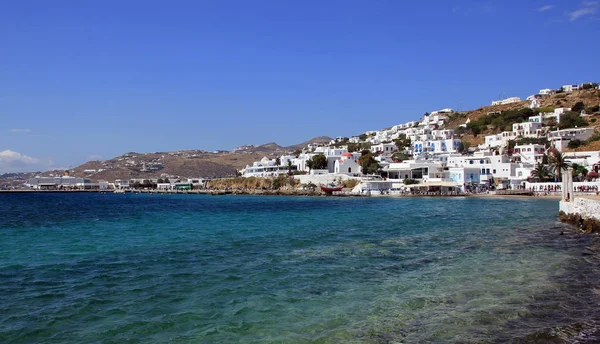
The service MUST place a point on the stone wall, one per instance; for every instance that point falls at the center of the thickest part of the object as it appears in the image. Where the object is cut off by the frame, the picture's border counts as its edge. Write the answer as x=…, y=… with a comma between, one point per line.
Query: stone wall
x=587, y=208
x=322, y=178
x=582, y=212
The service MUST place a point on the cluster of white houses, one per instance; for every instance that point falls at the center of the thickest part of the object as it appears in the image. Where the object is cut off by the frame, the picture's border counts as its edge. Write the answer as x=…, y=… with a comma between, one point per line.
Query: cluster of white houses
x=533, y=128
x=435, y=159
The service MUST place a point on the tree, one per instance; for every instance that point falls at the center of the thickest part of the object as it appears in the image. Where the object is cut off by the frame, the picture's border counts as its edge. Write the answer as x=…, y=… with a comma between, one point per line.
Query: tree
x=317, y=162
x=368, y=163
x=540, y=172
x=400, y=156
x=550, y=122
x=578, y=107
x=579, y=172
x=558, y=162
x=475, y=128
x=402, y=142
x=289, y=167
x=463, y=147
x=277, y=161
x=571, y=119
x=574, y=144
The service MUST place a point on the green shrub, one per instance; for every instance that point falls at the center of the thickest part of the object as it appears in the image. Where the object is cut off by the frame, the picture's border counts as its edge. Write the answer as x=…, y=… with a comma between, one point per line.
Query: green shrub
x=574, y=144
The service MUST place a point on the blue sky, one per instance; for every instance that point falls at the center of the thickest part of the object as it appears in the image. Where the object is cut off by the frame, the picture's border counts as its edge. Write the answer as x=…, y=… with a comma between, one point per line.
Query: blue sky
x=84, y=80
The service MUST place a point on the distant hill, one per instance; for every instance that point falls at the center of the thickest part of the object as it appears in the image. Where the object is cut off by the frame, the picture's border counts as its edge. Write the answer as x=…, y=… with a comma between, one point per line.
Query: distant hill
x=319, y=139
x=183, y=163
x=272, y=148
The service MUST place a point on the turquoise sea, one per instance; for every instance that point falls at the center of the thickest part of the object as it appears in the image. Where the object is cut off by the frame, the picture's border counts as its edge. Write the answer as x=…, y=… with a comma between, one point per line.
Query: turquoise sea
x=105, y=268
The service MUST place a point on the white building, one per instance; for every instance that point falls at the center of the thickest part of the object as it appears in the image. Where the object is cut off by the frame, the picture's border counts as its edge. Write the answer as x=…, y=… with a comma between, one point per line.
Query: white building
x=446, y=110
x=385, y=148
x=528, y=129
x=492, y=164
x=347, y=164
x=560, y=138
x=265, y=168
x=588, y=159
x=556, y=114
x=413, y=169
x=499, y=140
x=569, y=88
x=534, y=103
x=547, y=91
x=530, y=154
x=506, y=101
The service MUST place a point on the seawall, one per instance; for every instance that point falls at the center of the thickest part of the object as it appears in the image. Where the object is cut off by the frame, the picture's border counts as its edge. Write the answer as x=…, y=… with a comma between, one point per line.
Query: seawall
x=582, y=212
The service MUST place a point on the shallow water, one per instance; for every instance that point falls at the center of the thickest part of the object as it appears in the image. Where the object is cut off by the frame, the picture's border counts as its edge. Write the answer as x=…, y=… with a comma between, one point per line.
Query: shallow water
x=148, y=268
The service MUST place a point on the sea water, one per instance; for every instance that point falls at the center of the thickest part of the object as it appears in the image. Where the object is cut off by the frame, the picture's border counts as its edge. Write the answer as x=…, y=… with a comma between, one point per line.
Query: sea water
x=106, y=268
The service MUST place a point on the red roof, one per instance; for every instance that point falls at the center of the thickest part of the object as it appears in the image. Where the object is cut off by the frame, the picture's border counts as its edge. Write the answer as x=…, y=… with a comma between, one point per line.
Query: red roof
x=347, y=154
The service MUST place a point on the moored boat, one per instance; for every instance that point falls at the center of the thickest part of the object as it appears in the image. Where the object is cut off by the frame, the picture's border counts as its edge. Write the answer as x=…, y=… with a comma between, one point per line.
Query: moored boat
x=331, y=188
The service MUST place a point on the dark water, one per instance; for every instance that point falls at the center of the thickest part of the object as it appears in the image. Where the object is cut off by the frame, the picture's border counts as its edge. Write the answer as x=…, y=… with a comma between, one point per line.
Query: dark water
x=82, y=268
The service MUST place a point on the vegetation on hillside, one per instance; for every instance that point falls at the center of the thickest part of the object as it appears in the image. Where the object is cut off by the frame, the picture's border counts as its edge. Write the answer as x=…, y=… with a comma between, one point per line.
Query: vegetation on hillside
x=368, y=163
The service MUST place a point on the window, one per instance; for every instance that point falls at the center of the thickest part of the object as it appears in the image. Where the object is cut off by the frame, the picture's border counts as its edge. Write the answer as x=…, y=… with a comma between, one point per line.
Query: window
x=494, y=171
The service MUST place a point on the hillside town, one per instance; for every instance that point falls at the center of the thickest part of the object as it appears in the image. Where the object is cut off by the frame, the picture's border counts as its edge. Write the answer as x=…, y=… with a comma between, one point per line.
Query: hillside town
x=535, y=145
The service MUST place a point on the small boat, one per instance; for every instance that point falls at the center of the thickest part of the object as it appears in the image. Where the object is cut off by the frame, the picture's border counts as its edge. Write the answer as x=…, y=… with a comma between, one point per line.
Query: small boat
x=331, y=188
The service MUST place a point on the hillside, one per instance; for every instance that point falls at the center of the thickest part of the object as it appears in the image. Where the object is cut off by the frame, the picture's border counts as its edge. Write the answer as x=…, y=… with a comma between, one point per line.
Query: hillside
x=273, y=148
x=589, y=97
x=184, y=163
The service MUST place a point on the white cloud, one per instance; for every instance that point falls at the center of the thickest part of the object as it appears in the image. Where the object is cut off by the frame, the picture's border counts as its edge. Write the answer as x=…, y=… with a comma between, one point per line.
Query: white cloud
x=588, y=8
x=545, y=8
x=573, y=16
x=17, y=130
x=11, y=161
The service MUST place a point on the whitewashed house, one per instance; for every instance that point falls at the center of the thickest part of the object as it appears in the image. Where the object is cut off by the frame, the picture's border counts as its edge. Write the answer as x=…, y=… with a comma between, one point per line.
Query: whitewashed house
x=491, y=163
x=347, y=164
x=560, y=138
x=528, y=129
x=570, y=88
x=506, y=101
x=531, y=154
x=385, y=148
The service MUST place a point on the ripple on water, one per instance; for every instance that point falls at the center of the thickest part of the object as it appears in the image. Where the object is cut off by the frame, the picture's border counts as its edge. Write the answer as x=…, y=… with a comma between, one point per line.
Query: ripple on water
x=269, y=269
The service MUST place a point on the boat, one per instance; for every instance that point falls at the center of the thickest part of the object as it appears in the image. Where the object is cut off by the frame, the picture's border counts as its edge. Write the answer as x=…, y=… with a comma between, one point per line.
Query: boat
x=331, y=188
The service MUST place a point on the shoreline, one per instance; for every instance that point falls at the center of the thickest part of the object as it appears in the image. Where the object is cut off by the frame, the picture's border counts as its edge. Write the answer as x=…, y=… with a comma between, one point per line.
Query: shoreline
x=291, y=193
